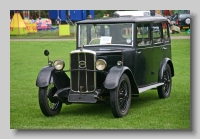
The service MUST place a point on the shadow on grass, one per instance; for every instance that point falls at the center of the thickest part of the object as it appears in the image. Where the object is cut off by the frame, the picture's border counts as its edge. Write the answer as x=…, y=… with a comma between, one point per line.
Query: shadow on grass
x=86, y=109
x=103, y=109
x=144, y=99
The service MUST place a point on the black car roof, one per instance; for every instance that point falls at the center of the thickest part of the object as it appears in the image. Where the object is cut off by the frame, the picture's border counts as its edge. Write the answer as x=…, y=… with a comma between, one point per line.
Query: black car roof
x=128, y=19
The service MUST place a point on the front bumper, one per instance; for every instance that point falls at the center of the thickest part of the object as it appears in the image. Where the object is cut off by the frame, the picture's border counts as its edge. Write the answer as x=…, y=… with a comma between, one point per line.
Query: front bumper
x=83, y=98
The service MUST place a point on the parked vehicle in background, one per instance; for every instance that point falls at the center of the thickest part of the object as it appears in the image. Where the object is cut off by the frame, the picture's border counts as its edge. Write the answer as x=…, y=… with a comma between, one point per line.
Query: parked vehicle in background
x=181, y=20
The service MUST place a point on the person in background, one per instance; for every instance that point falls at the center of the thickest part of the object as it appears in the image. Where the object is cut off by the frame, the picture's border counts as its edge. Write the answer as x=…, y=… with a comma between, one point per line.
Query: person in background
x=89, y=17
x=68, y=16
x=107, y=32
x=163, y=14
x=104, y=16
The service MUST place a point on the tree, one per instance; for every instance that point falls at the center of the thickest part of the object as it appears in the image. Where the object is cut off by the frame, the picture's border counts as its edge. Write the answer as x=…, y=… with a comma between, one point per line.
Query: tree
x=100, y=13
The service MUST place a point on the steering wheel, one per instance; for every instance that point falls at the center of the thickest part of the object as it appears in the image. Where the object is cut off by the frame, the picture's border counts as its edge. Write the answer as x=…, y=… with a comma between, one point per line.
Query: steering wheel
x=95, y=41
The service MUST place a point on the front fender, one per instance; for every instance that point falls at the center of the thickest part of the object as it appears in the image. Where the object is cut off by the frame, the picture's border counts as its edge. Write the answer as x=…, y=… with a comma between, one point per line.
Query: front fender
x=113, y=77
x=44, y=76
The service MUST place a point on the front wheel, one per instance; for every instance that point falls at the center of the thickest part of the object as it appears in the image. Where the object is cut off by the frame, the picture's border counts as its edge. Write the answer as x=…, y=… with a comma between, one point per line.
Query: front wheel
x=165, y=90
x=120, y=98
x=49, y=105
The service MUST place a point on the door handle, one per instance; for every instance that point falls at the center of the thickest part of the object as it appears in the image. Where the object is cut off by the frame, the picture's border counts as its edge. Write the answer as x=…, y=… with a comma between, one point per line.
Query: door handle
x=164, y=48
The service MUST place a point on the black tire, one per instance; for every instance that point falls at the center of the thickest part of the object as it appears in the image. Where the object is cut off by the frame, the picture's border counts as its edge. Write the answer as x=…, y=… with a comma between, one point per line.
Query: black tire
x=49, y=106
x=164, y=91
x=120, y=98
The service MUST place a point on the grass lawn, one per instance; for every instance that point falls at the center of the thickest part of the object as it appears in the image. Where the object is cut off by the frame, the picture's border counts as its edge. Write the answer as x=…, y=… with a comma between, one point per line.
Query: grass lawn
x=146, y=112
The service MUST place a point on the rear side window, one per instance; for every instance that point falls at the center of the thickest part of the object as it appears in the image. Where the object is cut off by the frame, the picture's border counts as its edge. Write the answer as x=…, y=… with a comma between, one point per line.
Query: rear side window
x=157, y=28
x=143, y=34
x=165, y=26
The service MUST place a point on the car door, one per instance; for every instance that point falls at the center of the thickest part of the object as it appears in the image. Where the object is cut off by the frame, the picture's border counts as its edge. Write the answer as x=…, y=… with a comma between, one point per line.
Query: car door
x=144, y=54
x=166, y=47
x=161, y=46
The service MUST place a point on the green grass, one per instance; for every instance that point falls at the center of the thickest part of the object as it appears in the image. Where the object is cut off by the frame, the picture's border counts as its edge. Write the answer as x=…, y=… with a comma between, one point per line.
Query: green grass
x=146, y=112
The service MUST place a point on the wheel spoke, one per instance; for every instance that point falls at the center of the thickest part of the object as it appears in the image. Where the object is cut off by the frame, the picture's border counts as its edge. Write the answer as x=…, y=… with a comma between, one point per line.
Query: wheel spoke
x=52, y=106
x=123, y=95
x=55, y=106
x=49, y=105
x=166, y=79
x=165, y=90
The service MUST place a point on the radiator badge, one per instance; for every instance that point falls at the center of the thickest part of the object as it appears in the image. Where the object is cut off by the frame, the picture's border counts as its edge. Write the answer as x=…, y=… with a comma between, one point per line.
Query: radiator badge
x=81, y=49
x=82, y=64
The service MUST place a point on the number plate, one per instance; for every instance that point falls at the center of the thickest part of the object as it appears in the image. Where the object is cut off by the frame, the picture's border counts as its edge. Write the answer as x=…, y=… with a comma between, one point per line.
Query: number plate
x=84, y=98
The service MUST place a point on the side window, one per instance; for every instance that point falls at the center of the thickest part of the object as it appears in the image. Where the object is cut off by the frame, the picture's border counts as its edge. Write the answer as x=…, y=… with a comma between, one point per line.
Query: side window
x=143, y=34
x=165, y=31
x=126, y=32
x=157, y=33
x=107, y=30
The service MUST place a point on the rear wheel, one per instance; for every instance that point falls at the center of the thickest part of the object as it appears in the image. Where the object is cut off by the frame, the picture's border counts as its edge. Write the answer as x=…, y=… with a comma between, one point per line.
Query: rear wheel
x=165, y=90
x=120, y=98
x=49, y=105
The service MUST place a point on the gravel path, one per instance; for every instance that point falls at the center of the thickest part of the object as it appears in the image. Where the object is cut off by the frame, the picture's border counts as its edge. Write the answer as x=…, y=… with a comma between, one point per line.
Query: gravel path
x=172, y=37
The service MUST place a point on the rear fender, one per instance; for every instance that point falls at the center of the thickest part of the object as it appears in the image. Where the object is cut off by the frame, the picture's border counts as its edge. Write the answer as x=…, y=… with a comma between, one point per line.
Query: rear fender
x=162, y=67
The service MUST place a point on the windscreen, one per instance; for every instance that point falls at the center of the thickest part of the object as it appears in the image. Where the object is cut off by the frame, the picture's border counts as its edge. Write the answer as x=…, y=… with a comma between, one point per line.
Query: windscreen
x=105, y=34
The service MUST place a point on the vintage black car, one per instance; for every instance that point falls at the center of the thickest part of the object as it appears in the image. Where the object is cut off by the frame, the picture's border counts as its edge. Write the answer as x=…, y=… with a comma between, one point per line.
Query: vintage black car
x=113, y=62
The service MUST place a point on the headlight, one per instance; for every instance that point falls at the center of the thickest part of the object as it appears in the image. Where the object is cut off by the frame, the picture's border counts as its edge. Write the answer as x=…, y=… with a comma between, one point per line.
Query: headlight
x=59, y=64
x=101, y=64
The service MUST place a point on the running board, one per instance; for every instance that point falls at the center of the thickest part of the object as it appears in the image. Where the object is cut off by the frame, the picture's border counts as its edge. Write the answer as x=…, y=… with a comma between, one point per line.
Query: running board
x=143, y=89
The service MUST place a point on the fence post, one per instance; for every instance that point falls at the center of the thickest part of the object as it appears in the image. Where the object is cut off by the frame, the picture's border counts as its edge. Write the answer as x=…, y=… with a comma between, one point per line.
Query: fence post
x=75, y=31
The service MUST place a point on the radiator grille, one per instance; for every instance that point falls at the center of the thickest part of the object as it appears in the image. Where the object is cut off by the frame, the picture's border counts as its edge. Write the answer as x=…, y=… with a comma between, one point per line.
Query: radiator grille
x=82, y=80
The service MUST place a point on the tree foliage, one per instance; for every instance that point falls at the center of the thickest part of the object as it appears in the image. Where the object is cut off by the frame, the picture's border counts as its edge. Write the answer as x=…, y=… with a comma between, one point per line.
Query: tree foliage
x=100, y=13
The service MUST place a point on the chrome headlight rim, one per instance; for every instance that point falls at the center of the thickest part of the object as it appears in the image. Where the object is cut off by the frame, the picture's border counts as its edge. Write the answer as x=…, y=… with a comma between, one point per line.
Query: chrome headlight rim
x=59, y=64
x=101, y=64
x=119, y=63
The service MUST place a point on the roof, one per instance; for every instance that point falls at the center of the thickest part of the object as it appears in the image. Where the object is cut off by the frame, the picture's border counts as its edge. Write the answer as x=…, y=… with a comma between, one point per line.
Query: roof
x=128, y=19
